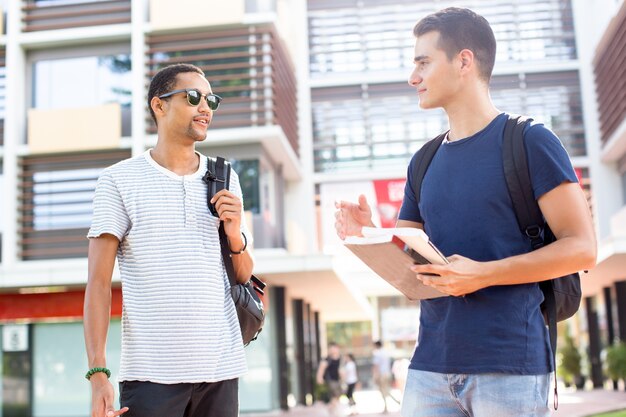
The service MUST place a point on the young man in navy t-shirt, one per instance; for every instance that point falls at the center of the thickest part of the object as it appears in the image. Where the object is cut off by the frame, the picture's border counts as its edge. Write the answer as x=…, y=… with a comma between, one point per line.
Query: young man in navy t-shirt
x=484, y=350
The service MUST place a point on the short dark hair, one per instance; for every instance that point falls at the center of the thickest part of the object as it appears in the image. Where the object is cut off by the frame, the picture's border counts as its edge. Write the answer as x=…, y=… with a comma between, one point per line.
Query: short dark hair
x=378, y=344
x=459, y=29
x=165, y=80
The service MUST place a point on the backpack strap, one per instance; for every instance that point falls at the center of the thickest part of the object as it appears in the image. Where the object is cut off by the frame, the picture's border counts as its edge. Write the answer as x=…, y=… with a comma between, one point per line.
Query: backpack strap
x=423, y=159
x=217, y=178
x=528, y=213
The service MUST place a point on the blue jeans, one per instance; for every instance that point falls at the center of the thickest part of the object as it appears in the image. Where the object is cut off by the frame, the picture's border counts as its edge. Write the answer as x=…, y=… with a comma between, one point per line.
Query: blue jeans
x=430, y=394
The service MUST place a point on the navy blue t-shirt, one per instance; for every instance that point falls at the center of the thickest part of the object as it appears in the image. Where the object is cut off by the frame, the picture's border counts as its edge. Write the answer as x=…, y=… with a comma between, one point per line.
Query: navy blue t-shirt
x=466, y=209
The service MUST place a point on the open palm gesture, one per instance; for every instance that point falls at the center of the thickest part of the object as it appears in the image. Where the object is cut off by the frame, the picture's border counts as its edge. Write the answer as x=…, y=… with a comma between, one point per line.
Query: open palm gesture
x=350, y=217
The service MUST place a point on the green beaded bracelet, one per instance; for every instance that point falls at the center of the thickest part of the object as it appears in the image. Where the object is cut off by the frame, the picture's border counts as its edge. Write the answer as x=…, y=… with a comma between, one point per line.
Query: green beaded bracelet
x=96, y=370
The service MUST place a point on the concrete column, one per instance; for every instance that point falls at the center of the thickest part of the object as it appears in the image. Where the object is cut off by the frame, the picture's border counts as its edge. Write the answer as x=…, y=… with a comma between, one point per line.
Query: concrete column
x=594, y=343
x=620, y=298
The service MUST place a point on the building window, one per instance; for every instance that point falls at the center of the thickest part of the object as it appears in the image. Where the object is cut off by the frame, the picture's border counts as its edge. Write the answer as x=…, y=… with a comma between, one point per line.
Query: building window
x=364, y=36
x=55, y=202
x=84, y=81
x=59, y=362
x=248, y=172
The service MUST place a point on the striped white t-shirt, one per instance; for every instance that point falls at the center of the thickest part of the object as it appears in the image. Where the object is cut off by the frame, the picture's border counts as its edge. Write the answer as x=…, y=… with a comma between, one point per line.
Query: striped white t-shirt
x=179, y=323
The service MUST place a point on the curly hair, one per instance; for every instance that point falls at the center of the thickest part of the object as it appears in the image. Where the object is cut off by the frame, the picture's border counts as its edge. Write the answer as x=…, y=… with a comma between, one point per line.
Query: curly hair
x=460, y=29
x=165, y=80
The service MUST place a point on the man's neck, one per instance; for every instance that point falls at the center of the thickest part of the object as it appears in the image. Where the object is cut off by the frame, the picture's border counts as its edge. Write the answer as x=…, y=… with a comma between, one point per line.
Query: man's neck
x=180, y=159
x=470, y=113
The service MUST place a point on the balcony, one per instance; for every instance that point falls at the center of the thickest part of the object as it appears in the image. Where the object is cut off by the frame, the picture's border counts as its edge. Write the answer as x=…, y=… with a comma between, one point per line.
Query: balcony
x=248, y=66
x=63, y=14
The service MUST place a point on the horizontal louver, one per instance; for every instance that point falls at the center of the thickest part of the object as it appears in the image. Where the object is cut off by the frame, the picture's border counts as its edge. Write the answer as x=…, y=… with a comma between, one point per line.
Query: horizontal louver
x=55, y=202
x=51, y=14
x=355, y=37
x=363, y=127
x=247, y=66
x=2, y=92
x=610, y=73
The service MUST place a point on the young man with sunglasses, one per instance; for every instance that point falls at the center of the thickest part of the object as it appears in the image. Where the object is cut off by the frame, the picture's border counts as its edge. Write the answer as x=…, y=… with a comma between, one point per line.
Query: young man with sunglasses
x=483, y=350
x=182, y=352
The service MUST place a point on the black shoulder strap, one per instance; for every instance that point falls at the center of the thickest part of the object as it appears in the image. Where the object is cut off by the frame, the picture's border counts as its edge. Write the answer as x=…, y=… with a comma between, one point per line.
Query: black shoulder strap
x=423, y=159
x=217, y=178
x=528, y=213
x=518, y=182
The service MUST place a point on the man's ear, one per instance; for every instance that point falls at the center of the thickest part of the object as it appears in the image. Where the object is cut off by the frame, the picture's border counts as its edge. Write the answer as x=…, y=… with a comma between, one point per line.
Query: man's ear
x=157, y=105
x=466, y=59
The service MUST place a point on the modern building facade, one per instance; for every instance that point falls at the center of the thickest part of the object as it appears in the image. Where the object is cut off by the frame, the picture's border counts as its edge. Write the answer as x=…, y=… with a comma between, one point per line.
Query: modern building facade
x=73, y=87
x=606, y=301
x=316, y=108
x=367, y=125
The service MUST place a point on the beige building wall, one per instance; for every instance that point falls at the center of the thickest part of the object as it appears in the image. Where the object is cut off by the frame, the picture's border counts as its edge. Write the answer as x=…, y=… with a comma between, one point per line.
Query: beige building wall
x=86, y=128
x=194, y=13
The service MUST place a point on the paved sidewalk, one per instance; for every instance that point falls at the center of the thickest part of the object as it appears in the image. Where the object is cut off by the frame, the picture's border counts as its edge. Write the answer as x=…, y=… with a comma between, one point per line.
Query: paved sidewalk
x=586, y=403
x=572, y=404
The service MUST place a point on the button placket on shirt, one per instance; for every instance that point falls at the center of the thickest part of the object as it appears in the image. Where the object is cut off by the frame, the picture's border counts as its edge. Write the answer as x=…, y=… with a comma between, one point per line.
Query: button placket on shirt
x=190, y=215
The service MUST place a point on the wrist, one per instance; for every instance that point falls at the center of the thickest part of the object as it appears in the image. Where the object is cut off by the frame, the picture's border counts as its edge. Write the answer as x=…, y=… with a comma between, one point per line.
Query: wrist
x=240, y=243
x=99, y=371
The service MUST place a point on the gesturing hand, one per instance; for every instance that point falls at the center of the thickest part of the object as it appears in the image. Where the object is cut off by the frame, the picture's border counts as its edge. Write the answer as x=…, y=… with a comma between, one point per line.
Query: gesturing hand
x=350, y=217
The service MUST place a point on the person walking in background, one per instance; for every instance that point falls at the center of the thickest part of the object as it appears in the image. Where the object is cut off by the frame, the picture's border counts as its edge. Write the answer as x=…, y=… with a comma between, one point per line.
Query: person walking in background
x=182, y=350
x=351, y=379
x=484, y=349
x=329, y=373
x=381, y=372
x=400, y=370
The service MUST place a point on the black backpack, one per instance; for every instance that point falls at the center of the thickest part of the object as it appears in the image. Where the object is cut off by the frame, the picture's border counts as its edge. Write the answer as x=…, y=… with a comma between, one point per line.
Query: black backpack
x=561, y=295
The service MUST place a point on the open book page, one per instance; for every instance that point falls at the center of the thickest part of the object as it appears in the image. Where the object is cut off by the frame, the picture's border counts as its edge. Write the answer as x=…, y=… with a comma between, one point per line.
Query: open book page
x=415, y=238
x=380, y=251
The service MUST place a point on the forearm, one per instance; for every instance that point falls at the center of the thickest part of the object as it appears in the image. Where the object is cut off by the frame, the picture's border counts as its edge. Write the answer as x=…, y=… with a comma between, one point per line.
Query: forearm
x=565, y=256
x=97, y=313
x=242, y=263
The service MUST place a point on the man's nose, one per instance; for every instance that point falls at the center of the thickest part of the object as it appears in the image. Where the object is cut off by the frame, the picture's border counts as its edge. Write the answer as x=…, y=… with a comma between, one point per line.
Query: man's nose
x=203, y=107
x=414, y=78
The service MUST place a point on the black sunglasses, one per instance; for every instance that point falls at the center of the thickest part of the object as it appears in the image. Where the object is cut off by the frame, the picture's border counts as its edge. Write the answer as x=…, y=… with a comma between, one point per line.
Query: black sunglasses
x=194, y=96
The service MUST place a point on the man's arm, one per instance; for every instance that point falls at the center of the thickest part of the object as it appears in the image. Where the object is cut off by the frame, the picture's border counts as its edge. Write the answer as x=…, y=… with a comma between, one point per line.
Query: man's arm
x=566, y=211
x=242, y=263
x=230, y=208
x=97, y=314
x=320, y=371
x=408, y=223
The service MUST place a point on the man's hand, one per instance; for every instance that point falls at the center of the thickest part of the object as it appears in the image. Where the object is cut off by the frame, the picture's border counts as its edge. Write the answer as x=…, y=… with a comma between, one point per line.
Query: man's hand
x=350, y=218
x=102, y=395
x=461, y=276
x=228, y=207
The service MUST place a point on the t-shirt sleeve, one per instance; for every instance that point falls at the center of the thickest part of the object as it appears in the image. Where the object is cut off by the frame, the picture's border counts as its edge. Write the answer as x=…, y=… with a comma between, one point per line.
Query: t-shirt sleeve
x=410, y=210
x=548, y=161
x=109, y=212
x=235, y=187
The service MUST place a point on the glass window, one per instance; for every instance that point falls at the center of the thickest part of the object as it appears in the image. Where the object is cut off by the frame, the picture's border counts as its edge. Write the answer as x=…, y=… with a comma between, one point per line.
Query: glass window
x=63, y=199
x=258, y=388
x=59, y=366
x=248, y=171
x=84, y=81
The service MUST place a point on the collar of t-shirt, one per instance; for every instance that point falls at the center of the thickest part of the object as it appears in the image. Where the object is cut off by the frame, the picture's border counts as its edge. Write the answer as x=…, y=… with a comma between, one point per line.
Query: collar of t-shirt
x=200, y=171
